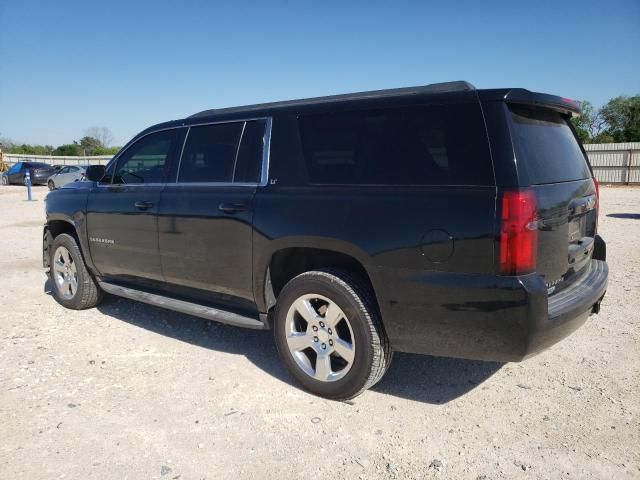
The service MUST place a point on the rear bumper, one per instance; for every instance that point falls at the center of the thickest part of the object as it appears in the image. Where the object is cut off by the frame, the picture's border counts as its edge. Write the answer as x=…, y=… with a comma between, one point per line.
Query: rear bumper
x=487, y=317
x=569, y=309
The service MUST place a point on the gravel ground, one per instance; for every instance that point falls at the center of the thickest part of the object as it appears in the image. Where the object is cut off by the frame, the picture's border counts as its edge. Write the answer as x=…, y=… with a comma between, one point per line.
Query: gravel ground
x=130, y=391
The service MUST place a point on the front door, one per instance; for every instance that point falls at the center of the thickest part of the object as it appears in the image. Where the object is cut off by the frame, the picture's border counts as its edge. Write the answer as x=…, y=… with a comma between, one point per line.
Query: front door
x=205, y=222
x=122, y=222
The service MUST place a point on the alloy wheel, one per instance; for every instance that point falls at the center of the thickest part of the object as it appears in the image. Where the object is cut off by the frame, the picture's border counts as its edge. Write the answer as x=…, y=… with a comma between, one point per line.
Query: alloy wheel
x=320, y=338
x=65, y=273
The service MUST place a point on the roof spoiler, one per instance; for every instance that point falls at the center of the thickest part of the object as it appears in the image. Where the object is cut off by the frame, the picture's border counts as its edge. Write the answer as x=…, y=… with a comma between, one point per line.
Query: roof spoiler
x=563, y=105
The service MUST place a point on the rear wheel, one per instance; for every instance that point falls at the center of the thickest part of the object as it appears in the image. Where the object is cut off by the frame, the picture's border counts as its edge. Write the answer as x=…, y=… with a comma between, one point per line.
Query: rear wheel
x=72, y=284
x=329, y=333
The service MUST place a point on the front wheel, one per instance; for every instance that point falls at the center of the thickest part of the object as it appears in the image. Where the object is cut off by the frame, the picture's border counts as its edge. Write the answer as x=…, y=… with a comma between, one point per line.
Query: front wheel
x=72, y=284
x=51, y=185
x=5, y=180
x=329, y=334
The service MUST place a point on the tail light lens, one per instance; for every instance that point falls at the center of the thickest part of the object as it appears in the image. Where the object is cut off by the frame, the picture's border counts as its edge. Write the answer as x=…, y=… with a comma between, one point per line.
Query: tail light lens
x=518, y=232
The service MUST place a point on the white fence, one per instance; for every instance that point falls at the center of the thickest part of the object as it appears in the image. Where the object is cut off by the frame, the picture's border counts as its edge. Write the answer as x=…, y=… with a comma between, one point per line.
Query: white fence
x=615, y=162
x=12, y=158
x=611, y=162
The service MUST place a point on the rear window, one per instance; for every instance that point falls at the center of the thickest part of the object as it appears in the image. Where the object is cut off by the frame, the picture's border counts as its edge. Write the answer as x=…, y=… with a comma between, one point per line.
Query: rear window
x=546, y=145
x=425, y=145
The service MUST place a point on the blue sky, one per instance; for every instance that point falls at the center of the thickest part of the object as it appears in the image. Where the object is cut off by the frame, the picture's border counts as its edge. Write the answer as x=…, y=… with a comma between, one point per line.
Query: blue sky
x=66, y=65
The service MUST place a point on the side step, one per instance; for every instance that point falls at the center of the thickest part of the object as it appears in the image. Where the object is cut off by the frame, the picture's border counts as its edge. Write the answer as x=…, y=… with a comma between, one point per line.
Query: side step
x=189, y=308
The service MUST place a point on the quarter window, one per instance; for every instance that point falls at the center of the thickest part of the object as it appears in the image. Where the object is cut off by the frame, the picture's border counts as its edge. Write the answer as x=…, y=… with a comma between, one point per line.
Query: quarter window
x=425, y=145
x=146, y=160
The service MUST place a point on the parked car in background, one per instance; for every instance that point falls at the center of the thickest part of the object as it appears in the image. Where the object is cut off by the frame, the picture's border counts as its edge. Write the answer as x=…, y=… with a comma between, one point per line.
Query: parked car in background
x=17, y=174
x=67, y=174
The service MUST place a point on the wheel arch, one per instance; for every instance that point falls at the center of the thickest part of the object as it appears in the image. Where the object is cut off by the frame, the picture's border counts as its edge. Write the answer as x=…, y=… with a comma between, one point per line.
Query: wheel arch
x=58, y=226
x=290, y=261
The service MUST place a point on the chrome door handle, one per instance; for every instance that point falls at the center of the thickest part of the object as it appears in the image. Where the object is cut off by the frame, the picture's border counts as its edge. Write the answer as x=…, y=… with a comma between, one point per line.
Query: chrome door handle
x=232, y=207
x=143, y=205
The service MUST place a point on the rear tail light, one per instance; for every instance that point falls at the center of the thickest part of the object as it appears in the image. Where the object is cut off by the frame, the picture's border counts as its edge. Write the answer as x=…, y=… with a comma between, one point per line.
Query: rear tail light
x=518, y=232
x=595, y=183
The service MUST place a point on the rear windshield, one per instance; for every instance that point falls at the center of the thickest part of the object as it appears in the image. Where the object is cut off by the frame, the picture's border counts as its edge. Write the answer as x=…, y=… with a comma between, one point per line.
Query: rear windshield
x=546, y=145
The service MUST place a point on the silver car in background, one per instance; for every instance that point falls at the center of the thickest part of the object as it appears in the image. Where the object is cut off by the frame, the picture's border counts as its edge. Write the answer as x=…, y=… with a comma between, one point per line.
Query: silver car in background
x=68, y=174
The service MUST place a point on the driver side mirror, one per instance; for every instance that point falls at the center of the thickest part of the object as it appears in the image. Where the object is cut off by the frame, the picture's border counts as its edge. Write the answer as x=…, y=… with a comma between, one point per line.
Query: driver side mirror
x=95, y=173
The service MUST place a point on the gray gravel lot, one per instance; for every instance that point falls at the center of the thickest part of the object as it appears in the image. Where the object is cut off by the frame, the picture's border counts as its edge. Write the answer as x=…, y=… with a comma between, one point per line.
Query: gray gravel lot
x=131, y=391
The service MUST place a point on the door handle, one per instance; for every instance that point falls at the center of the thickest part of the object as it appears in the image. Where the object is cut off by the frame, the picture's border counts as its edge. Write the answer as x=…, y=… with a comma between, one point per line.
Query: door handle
x=232, y=207
x=143, y=205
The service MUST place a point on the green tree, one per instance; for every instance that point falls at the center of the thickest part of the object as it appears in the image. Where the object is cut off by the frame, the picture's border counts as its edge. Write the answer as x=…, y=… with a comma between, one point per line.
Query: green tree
x=589, y=124
x=106, y=150
x=622, y=117
x=70, y=149
x=88, y=145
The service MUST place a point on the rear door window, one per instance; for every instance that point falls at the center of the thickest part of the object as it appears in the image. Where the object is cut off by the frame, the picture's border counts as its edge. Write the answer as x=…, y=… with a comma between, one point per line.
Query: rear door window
x=223, y=153
x=424, y=145
x=248, y=167
x=546, y=145
x=209, y=153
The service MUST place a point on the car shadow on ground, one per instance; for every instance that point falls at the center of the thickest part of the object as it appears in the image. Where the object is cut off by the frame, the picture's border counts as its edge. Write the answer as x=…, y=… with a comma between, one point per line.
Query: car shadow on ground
x=632, y=216
x=433, y=380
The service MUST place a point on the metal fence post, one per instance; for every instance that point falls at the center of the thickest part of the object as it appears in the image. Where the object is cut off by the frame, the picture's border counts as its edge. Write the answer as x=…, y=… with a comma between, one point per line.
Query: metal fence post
x=28, y=183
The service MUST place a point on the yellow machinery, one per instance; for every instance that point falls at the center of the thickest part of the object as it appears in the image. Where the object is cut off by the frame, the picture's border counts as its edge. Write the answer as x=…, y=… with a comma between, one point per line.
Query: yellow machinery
x=3, y=166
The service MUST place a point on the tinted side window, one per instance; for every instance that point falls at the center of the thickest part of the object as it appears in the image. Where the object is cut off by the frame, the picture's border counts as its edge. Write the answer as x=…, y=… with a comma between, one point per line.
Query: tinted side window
x=146, y=160
x=210, y=152
x=425, y=145
x=249, y=161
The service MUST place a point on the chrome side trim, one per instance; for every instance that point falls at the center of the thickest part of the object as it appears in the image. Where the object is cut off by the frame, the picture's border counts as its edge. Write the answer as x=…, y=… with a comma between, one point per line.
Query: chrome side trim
x=235, y=158
x=182, y=306
x=184, y=142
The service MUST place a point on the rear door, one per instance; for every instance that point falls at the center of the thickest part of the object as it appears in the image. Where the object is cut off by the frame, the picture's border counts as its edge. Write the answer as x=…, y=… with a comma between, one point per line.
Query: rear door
x=551, y=160
x=122, y=210
x=205, y=222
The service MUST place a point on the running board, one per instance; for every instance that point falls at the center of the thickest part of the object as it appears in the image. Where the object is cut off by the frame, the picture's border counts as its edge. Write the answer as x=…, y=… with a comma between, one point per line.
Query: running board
x=189, y=308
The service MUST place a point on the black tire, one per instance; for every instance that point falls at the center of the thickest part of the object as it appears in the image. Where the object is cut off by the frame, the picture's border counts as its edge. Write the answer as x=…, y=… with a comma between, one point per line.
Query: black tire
x=88, y=294
x=354, y=296
x=51, y=185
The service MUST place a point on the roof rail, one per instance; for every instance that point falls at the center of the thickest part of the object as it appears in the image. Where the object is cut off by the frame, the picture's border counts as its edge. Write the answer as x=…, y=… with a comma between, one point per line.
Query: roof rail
x=444, y=87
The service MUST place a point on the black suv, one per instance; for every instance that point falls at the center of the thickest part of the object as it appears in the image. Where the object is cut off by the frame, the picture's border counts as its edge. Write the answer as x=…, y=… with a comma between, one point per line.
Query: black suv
x=442, y=220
